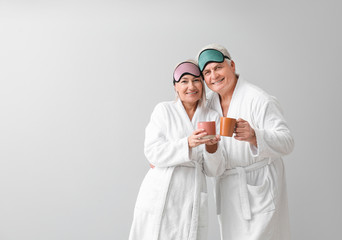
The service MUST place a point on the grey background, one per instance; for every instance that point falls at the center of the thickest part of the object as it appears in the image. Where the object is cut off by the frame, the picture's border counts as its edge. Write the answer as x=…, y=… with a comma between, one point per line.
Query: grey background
x=79, y=79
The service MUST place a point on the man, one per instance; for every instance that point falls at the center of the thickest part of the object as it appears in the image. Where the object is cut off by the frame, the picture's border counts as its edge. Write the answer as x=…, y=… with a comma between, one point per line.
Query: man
x=251, y=195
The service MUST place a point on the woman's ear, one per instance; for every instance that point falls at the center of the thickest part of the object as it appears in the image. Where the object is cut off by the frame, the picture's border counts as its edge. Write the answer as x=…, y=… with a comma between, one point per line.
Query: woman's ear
x=174, y=86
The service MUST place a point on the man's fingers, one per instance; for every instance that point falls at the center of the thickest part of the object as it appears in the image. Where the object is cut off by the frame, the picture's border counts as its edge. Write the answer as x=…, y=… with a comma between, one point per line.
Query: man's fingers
x=238, y=138
x=239, y=130
x=241, y=135
x=240, y=120
x=242, y=124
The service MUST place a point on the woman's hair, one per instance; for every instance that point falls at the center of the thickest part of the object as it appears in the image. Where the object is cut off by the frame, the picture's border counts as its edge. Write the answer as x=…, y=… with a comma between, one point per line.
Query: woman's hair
x=203, y=99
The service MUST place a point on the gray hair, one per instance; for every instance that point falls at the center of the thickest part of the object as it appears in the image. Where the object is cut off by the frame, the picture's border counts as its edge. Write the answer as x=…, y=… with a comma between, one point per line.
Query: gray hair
x=203, y=99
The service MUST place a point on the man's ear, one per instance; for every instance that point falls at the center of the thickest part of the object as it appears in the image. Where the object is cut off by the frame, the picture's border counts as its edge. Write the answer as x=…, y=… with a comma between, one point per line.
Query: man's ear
x=232, y=64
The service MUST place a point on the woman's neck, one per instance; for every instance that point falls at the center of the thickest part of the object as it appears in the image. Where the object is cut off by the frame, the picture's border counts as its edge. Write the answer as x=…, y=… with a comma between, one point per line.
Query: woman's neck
x=190, y=108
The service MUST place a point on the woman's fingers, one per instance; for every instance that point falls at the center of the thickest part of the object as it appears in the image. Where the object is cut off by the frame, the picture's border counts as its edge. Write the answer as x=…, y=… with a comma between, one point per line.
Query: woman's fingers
x=216, y=139
x=199, y=136
x=197, y=131
x=203, y=141
x=213, y=141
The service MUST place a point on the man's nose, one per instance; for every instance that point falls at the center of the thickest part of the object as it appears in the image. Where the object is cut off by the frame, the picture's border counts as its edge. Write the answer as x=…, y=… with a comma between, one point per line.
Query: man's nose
x=213, y=75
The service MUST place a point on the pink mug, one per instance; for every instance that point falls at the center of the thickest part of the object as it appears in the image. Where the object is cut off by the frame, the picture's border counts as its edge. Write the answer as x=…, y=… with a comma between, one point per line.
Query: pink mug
x=209, y=127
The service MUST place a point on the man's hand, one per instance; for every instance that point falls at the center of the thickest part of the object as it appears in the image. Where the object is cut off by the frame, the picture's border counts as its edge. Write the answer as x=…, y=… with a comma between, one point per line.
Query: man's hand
x=244, y=132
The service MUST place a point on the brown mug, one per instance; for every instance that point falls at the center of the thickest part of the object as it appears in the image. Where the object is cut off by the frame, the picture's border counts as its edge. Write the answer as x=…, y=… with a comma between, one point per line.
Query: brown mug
x=209, y=127
x=227, y=126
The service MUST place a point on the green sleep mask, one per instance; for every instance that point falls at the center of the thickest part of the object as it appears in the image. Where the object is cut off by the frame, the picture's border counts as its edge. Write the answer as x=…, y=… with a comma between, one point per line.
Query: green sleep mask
x=208, y=56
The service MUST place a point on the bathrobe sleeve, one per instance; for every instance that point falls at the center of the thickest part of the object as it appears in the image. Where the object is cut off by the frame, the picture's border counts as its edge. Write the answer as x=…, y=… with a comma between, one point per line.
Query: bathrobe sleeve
x=272, y=133
x=214, y=163
x=159, y=150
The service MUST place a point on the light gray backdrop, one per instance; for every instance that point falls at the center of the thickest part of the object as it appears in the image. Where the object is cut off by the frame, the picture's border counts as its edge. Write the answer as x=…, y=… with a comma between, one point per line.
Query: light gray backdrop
x=79, y=79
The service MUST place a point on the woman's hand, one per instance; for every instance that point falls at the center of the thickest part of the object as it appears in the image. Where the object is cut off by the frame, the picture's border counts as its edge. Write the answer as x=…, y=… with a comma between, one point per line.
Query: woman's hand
x=214, y=141
x=211, y=146
x=244, y=132
x=196, y=138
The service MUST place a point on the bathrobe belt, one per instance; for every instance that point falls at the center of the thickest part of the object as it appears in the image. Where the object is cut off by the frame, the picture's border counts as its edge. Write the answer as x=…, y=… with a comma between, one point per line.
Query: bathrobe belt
x=196, y=204
x=243, y=192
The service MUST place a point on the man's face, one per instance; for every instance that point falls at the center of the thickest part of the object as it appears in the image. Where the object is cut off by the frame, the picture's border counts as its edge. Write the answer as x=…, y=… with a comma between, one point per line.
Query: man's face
x=219, y=77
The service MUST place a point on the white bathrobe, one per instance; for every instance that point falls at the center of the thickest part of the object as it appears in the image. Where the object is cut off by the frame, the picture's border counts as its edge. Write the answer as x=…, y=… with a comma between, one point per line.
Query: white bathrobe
x=172, y=201
x=251, y=194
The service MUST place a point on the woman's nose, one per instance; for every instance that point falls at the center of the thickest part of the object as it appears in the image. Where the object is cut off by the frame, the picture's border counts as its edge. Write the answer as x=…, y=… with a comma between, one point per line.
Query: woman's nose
x=192, y=86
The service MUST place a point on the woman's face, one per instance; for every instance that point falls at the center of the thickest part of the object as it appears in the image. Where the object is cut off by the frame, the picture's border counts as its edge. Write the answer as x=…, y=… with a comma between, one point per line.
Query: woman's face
x=189, y=89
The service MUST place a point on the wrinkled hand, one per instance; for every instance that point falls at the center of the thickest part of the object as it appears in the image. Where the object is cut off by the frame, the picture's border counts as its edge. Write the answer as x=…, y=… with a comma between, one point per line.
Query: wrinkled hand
x=214, y=140
x=244, y=132
x=196, y=138
x=212, y=146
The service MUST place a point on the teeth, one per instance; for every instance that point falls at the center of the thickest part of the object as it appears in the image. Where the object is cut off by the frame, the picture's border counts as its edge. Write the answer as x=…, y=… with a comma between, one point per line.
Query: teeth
x=218, y=81
x=192, y=93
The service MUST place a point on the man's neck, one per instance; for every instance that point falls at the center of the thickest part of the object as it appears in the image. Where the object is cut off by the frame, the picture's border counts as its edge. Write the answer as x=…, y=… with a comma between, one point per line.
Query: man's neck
x=227, y=95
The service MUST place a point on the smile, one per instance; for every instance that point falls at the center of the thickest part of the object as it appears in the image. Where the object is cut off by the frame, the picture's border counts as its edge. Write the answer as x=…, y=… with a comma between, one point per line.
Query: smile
x=192, y=93
x=218, y=81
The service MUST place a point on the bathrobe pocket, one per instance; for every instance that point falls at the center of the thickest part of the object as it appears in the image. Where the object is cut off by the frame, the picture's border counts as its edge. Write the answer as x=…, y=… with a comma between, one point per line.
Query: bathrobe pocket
x=261, y=197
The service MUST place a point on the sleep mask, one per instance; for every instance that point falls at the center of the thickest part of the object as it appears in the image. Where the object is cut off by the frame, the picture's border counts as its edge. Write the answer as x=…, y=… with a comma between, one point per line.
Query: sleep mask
x=208, y=56
x=185, y=68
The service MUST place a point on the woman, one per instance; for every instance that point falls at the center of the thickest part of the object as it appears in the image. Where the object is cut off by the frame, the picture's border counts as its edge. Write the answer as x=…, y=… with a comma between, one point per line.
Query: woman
x=172, y=201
